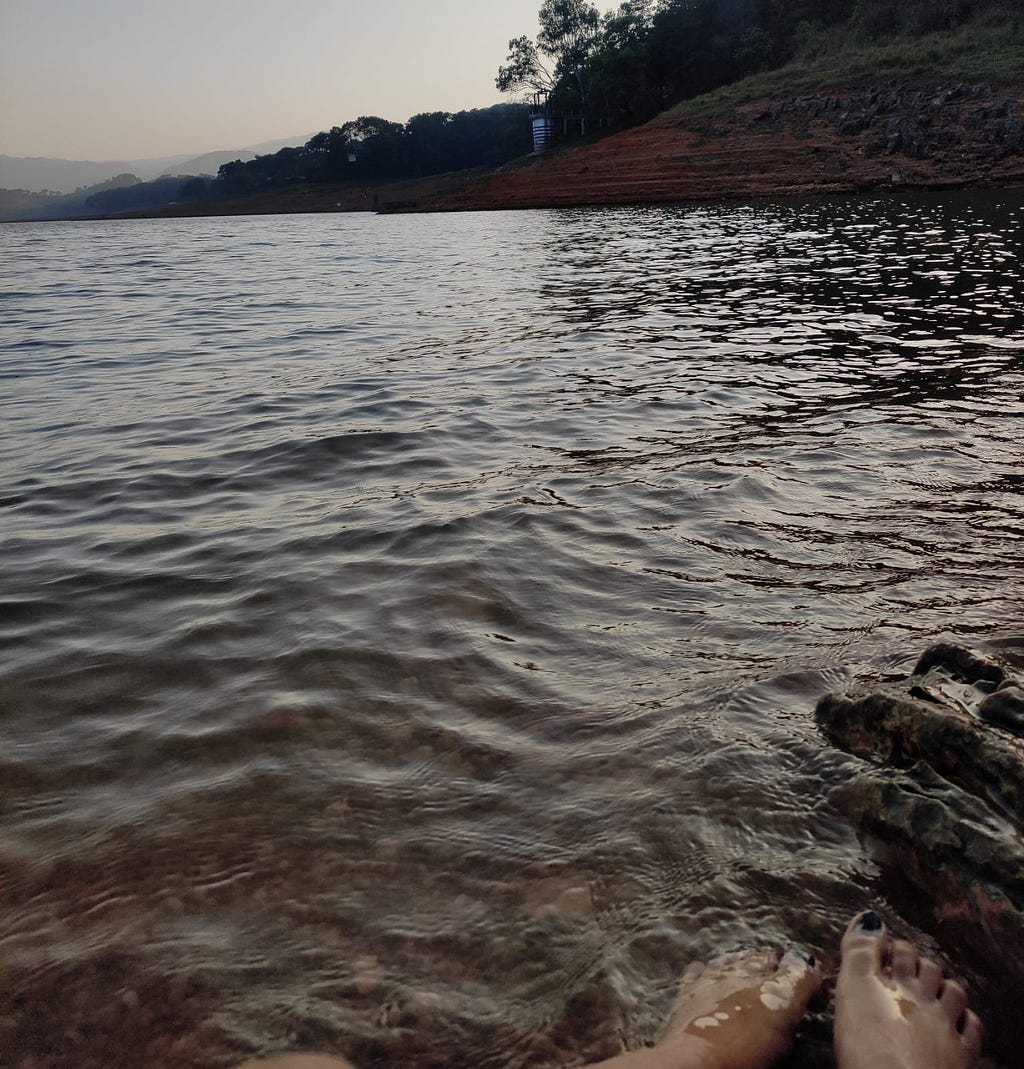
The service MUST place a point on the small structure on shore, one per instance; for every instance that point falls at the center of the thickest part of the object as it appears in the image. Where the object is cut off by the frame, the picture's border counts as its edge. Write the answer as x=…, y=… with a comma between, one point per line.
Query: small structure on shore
x=542, y=120
x=543, y=117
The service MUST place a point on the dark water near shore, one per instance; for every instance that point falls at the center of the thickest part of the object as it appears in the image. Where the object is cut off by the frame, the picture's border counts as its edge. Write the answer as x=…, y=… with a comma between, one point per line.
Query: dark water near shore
x=410, y=626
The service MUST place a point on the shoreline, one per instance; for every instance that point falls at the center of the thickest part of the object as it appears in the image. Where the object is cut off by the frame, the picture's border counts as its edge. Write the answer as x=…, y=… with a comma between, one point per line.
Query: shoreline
x=872, y=140
x=869, y=140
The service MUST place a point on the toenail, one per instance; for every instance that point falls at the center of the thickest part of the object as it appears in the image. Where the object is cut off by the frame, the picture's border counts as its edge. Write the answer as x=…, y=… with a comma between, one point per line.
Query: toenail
x=869, y=922
x=773, y=1001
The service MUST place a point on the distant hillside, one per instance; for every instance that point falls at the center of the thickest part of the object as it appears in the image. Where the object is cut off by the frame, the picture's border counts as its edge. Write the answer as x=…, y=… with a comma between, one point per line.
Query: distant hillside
x=210, y=162
x=20, y=204
x=355, y=158
x=38, y=173
x=17, y=204
x=278, y=143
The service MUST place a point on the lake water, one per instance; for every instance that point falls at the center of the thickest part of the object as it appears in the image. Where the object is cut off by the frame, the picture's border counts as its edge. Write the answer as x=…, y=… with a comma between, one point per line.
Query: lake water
x=410, y=627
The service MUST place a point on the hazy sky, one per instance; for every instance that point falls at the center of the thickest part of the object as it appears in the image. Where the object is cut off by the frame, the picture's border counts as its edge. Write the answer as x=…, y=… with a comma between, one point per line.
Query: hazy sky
x=125, y=79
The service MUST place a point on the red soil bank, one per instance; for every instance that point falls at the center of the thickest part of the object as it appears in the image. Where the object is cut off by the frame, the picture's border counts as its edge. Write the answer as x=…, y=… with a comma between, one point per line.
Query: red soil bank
x=879, y=138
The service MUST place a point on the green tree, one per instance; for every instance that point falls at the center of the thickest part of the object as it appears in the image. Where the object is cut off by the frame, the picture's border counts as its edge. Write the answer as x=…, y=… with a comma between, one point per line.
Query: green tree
x=524, y=69
x=325, y=155
x=377, y=144
x=619, y=68
x=569, y=33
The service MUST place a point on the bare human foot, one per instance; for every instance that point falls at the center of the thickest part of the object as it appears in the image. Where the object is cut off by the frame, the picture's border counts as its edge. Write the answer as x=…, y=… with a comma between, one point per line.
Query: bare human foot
x=894, y=1010
x=737, y=1012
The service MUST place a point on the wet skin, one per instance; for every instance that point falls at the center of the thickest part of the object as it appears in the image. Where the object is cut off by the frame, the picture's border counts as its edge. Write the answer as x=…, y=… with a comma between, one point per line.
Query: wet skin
x=737, y=1012
x=894, y=1010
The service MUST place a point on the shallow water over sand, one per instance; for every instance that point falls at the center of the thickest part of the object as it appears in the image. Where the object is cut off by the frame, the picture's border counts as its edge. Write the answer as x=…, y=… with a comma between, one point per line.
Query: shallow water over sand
x=410, y=626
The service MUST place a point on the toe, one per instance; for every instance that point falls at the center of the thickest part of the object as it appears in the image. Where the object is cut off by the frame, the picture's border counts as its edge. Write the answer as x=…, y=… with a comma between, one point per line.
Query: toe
x=866, y=944
x=971, y=1036
x=798, y=961
x=904, y=961
x=802, y=974
x=693, y=971
x=929, y=976
x=953, y=999
x=721, y=963
x=751, y=963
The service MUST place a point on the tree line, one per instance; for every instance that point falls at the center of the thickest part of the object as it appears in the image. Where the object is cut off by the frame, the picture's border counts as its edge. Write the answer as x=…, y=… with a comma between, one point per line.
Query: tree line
x=632, y=62
x=367, y=149
x=370, y=148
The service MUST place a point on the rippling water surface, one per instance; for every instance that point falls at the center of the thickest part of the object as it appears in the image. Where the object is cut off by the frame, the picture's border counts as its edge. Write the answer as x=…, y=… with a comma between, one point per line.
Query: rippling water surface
x=410, y=626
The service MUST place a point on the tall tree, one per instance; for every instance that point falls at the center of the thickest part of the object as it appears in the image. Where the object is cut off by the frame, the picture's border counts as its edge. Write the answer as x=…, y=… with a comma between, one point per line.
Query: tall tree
x=524, y=69
x=569, y=32
x=619, y=68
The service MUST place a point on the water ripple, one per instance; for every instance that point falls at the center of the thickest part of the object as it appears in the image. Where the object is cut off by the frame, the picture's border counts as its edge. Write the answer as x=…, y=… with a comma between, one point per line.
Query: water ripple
x=410, y=625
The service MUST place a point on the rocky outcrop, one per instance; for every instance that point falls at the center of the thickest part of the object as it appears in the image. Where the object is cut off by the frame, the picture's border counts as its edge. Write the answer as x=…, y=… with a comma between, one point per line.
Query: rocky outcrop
x=953, y=123
x=946, y=763
x=939, y=798
x=874, y=138
x=949, y=715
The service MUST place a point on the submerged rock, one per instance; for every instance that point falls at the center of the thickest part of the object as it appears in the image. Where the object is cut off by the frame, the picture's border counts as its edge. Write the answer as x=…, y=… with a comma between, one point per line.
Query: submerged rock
x=952, y=832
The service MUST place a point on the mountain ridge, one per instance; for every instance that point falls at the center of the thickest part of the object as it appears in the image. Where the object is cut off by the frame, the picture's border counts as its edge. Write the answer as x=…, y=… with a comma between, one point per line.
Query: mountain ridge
x=61, y=175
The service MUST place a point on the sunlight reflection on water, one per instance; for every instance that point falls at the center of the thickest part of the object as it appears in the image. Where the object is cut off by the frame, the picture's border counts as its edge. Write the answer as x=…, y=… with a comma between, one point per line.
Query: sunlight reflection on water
x=411, y=625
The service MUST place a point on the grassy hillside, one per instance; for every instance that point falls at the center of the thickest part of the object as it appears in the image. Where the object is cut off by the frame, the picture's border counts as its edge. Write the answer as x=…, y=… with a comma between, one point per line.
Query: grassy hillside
x=990, y=48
